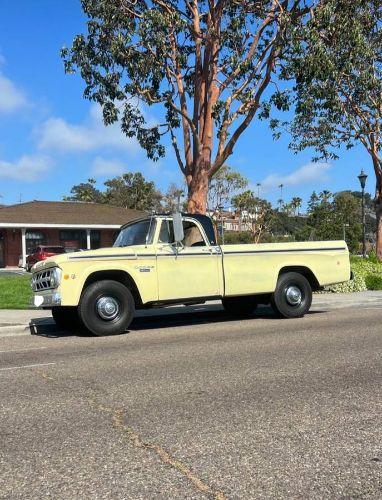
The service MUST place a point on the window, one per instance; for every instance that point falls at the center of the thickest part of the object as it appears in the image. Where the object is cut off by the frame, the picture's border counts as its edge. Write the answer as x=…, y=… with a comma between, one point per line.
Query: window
x=136, y=233
x=192, y=235
x=74, y=238
x=34, y=239
x=95, y=239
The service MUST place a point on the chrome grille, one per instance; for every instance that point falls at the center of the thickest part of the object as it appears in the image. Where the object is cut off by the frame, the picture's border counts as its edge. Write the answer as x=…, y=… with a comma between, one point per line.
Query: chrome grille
x=42, y=280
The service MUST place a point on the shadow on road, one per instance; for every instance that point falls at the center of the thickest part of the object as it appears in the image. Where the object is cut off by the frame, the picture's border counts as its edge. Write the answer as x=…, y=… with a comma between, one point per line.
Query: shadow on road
x=46, y=327
x=159, y=319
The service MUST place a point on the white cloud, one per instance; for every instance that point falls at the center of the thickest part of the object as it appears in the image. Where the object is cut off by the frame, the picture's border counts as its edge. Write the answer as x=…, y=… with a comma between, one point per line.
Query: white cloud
x=59, y=135
x=102, y=167
x=27, y=168
x=11, y=97
x=310, y=173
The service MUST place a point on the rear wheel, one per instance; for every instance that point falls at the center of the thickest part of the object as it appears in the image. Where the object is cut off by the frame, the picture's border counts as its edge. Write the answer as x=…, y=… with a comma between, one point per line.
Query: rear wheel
x=66, y=317
x=107, y=308
x=293, y=296
x=240, y=306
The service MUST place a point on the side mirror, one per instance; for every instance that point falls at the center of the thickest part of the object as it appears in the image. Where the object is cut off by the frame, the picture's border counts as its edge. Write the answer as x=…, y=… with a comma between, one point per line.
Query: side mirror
x=178, y=227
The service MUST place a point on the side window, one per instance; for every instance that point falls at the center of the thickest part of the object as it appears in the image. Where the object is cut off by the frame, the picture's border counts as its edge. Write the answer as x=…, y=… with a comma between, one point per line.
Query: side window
x=166, y=234
x=192, y=235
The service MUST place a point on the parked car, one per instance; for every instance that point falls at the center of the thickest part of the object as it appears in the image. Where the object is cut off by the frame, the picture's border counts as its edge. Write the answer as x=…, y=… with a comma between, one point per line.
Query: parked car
x=41, y=253
x=163, y=260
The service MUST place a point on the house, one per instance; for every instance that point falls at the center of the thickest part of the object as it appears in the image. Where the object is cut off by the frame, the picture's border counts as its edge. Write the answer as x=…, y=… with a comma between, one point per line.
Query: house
x=70, y=224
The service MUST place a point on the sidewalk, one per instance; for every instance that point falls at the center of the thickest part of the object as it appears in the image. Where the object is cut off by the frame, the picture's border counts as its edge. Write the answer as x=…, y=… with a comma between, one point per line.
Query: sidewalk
x=19, y=322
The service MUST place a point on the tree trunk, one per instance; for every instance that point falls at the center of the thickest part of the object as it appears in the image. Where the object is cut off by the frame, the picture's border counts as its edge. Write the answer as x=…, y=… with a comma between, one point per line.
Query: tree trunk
x=377, y=163
x=197, y=193
x=198, y=187
x=379, y=232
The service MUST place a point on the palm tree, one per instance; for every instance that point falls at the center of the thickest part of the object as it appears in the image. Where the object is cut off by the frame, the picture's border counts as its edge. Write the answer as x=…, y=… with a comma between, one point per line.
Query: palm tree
x=296, y=204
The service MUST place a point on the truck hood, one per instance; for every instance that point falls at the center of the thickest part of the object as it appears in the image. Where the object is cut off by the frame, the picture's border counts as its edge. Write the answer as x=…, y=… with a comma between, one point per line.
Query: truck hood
x=57, y=260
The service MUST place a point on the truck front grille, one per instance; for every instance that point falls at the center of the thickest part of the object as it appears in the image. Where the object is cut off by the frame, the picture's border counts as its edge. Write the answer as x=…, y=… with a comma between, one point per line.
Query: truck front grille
x=42, y=280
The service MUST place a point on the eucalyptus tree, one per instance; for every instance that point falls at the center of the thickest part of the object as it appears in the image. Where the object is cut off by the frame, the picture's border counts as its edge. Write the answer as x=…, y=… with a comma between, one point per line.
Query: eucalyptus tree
x=337, y=64
x=208, y=66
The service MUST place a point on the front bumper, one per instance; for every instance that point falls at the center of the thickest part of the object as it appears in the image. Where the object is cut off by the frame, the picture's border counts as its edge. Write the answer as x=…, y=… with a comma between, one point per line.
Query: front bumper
x=51, y=298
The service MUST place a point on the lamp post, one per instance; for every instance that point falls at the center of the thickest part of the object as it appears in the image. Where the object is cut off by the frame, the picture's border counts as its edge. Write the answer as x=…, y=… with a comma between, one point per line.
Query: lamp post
x=362, y=180
x=258, y=189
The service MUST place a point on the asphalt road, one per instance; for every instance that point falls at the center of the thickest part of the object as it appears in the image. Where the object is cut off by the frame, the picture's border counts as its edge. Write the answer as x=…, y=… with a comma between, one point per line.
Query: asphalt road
x=196, y=406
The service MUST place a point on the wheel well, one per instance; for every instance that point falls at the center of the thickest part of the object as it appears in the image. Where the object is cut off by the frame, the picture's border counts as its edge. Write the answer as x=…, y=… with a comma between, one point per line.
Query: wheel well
x=305, y=271
x=121, y=277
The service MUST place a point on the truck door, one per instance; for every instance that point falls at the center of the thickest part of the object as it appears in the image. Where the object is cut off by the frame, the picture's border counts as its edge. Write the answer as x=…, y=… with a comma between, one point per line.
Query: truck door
x=190, y=270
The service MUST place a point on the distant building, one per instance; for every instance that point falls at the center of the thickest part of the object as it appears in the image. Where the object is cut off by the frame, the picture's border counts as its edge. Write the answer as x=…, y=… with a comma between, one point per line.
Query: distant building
x=70, y=224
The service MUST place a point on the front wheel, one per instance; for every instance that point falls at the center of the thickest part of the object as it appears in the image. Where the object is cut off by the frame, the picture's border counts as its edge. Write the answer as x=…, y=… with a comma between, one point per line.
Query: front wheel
x=240, y=306
x=107, y=308
x=293, y=296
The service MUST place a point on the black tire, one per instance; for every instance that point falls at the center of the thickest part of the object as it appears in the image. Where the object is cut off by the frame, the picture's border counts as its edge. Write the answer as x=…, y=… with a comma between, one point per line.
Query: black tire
x=106, y=308
x=66, y=317
x=293, y=296
x=240, y=306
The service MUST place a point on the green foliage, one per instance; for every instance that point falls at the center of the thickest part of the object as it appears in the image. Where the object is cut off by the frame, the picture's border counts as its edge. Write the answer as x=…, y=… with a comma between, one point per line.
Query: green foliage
x=130, y=190
x=331, y=217
x=86, y=191
x=373, y=282
x=336, y=62
x=237, y=237
x=355, y=285
x=15, y=292
x=207, y=67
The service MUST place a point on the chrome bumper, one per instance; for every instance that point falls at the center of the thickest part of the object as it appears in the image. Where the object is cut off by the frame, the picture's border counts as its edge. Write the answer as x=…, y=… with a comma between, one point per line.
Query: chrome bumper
x=50, y=298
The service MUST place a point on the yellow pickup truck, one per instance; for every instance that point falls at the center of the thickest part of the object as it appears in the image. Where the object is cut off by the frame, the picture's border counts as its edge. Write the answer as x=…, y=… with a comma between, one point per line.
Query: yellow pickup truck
x=175, y=259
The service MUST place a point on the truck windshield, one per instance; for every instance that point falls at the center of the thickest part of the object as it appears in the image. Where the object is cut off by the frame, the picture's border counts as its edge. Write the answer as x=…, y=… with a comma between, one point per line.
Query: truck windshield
x=135, y=234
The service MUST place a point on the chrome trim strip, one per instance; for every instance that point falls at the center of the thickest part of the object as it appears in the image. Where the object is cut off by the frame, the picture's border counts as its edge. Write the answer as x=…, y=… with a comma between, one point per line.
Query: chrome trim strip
x=244, y=252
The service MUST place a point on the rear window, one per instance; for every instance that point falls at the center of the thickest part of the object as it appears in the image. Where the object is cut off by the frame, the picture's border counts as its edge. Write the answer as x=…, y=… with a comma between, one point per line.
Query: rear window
x=53, y=249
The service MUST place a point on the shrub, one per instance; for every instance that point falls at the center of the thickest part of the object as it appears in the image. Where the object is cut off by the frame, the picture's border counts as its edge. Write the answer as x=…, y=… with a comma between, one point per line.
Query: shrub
x=373, y=282
x=357, y=284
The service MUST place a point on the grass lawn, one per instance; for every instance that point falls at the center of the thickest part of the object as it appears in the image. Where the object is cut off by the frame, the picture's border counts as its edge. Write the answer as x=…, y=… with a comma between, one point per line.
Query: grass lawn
x=15, y=292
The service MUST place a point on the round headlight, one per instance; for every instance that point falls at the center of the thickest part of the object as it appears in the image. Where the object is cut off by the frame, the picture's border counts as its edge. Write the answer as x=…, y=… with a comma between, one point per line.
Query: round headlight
x=55, y=277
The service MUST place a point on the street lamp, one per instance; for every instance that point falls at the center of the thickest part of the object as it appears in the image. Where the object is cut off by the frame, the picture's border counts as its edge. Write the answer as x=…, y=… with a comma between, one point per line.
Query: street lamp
x=362, y=180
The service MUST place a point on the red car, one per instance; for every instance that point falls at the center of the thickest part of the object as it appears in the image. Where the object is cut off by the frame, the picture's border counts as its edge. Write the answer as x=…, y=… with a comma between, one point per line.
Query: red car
x=42, y=253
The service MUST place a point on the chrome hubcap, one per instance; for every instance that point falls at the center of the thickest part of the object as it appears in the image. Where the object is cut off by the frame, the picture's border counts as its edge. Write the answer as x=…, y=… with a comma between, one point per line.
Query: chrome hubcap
x=293, y=295
x=107, y=308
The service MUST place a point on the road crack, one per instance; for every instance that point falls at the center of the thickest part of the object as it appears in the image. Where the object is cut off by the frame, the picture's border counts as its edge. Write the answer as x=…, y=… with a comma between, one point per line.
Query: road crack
x=118, y=419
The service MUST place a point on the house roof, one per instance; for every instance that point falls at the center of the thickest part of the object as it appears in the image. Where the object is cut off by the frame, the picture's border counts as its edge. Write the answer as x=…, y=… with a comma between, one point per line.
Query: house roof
x=65, y=213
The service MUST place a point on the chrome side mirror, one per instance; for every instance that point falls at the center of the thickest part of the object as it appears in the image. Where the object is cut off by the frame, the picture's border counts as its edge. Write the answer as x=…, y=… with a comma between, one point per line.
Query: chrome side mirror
x=178, y=227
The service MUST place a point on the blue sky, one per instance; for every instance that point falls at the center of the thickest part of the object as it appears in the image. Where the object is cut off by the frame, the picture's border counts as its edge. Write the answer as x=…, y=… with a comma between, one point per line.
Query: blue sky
x=51, y=138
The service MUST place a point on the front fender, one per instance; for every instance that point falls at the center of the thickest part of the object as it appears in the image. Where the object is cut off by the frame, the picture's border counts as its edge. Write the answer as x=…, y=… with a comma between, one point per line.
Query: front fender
x=75, y=276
